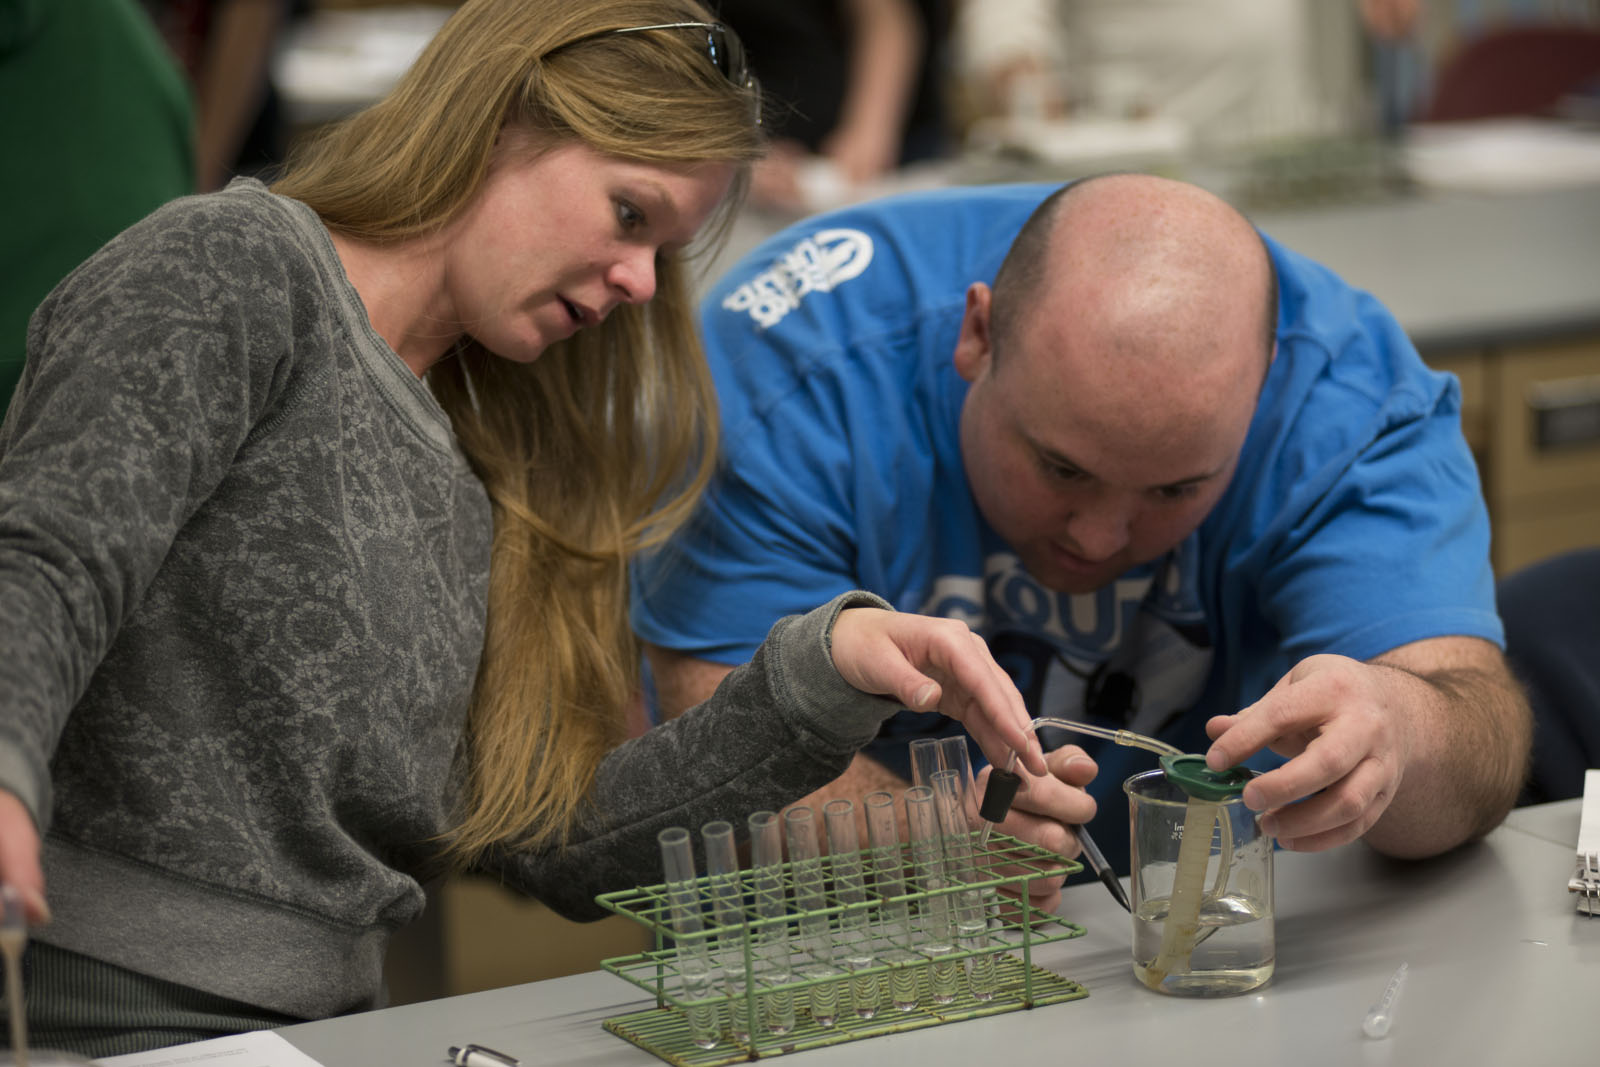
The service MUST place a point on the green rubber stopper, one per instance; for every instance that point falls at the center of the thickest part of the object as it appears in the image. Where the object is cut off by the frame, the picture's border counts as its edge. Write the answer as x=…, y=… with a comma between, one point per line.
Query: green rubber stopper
x=1199, y=781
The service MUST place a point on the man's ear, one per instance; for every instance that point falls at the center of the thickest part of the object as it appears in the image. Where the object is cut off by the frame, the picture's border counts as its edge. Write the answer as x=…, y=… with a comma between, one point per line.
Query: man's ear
x=973, y=347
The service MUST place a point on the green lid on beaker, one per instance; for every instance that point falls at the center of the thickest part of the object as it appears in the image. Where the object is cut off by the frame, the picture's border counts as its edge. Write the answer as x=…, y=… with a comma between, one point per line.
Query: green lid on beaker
x=1196, y=779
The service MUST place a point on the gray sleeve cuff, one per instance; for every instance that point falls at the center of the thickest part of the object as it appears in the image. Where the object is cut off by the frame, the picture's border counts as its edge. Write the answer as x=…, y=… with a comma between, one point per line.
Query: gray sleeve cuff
x=802, y=668
x=18, y=776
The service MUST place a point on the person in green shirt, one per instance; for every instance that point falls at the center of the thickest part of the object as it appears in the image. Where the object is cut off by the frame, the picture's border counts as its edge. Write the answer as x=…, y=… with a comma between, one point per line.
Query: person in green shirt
x=98, y=127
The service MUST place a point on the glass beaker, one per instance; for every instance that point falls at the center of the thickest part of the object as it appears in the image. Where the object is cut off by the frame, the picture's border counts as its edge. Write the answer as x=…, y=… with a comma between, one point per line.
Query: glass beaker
x=1202, y=891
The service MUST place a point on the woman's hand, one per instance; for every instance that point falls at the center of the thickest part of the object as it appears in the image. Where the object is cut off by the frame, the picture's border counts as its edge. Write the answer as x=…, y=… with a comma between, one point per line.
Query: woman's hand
x=19, y=857
x=937, y=665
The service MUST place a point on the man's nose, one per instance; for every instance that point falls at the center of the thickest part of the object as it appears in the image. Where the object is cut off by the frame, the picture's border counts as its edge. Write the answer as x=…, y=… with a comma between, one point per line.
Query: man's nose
x=1099, y=529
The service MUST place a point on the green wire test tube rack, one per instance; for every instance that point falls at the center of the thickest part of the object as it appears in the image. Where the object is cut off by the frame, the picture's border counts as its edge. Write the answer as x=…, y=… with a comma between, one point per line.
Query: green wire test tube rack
x=1015, y=930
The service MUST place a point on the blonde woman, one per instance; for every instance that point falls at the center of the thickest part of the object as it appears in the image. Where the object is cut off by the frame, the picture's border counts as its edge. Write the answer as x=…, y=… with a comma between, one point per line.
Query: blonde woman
x=315, y=510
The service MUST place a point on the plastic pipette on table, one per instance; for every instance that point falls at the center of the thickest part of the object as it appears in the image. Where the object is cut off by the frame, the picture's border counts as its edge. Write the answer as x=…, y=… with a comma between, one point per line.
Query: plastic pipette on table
x=1381, y=1015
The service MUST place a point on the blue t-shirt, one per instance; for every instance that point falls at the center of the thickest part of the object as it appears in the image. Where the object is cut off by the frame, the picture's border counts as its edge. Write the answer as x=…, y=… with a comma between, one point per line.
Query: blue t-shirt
x=1353, y=524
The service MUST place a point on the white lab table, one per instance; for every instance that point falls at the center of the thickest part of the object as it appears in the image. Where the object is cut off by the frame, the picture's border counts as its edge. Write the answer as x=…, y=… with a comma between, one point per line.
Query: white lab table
x=1502, y=970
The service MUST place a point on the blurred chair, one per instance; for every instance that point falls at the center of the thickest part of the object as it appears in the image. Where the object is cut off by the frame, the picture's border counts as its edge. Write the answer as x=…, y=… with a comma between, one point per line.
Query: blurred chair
x=1552, y=616
x=1517, y=69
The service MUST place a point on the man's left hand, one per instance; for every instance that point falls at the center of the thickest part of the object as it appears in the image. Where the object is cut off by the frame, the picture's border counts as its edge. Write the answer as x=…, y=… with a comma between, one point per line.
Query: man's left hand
x=1342, y=725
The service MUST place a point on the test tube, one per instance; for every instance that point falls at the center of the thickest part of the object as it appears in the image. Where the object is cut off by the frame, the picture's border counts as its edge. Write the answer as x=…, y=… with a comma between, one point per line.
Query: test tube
x=766, y=874
x=889, y=883
x=850, y=888
x=926, y=758
x=733, y=957
x=956, y=756
x=810, y=900
x=694, y=959
x=927, y=865
x=971, y=920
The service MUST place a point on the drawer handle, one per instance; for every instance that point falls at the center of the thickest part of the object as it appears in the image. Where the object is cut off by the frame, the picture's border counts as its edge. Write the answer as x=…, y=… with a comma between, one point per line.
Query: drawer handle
x=1565, y=412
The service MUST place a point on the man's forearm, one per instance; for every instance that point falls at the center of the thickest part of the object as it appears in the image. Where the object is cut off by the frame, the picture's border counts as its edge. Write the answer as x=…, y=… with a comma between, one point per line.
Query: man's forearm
x=1467, y=764
x=864, y=775
x=682, y=681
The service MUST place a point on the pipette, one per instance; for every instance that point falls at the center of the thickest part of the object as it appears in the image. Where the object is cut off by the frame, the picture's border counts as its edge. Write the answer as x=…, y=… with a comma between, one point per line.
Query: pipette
x=13, y=939
x=1004, y=781
x=1193, y=776
x=1381, y=1016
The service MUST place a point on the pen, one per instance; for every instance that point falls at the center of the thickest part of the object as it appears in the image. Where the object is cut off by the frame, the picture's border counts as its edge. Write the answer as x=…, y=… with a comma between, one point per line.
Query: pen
x=1097, y=861
x=478, y=1056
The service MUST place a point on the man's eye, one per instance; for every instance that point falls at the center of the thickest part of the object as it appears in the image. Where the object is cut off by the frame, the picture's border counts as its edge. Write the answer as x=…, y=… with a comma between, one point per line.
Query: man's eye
x=1177, y=492
x=1062, y=474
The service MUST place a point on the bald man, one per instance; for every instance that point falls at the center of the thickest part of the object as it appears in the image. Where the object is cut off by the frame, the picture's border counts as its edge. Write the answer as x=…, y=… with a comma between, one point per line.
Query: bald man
x=1181, y=479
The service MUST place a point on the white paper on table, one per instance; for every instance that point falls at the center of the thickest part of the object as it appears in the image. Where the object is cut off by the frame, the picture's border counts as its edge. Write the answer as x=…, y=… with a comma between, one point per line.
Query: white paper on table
x=260, y=1048
x=1586, y=879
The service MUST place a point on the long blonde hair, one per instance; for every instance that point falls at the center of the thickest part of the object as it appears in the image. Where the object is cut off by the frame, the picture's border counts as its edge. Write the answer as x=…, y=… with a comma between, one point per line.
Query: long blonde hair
x=600, y=447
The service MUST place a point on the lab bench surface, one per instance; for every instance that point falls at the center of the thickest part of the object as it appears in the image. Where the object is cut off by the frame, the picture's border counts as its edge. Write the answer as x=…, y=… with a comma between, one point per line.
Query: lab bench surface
x=1501, y=969
x=1465, y=271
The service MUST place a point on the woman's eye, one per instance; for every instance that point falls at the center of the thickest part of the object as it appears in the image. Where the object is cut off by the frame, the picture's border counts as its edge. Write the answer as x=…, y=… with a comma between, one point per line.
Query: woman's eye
x=629, y=216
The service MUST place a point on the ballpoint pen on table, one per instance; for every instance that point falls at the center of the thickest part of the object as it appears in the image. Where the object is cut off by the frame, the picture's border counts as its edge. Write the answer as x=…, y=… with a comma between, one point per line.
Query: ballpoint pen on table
x=478, y=1056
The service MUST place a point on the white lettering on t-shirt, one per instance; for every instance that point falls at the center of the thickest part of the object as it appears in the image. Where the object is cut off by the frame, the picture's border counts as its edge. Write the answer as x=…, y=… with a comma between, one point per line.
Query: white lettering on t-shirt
x=816, y=265
x=1149, y=626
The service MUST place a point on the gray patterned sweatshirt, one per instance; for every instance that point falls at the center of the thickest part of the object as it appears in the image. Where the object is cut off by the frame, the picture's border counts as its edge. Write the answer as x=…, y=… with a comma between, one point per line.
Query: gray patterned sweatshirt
x=243, y=568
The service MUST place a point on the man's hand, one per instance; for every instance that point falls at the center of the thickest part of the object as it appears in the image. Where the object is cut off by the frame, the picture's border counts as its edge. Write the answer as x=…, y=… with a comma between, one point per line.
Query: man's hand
x=1045, y=812
x=940, y=665
x=1343, y=726
x=19, y=857
x=1418, y=750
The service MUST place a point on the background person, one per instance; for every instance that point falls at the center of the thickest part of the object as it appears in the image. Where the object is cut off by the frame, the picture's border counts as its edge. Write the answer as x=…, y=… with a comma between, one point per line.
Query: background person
x=315, y=506
x=855, y=89
x=1168, y=469
x=225, y=48
x=97, y=126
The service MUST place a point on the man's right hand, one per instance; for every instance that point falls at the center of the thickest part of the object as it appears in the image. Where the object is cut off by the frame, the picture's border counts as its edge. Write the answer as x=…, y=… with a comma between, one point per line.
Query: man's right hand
x=19, y=857
x=1046, y=812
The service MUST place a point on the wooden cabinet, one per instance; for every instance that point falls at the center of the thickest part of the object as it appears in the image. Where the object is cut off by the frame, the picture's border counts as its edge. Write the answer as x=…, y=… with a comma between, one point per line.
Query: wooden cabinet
x=478, y=935
x=1531, y=414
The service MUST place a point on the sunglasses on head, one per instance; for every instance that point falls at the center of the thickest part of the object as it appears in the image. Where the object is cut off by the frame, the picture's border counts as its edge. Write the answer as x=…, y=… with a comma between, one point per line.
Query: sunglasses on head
x=722, y=46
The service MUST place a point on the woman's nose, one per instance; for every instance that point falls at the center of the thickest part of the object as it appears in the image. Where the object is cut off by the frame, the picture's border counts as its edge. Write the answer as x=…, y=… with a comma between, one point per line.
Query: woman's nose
x=634, y=275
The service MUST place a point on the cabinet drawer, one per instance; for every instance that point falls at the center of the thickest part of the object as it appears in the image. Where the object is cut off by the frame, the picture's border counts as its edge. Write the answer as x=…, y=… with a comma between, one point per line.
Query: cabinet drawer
x=1526, y=535
x=1545, y=409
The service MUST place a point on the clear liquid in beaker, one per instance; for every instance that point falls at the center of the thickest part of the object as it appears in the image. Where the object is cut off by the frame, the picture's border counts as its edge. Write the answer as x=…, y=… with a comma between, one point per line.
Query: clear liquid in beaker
x=1233, y=951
